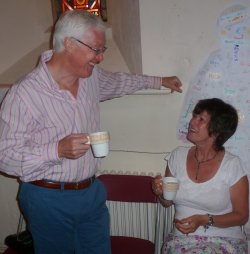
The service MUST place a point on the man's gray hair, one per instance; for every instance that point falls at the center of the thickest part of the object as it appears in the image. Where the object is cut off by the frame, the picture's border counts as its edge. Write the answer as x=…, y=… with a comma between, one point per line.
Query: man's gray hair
x=75, y=24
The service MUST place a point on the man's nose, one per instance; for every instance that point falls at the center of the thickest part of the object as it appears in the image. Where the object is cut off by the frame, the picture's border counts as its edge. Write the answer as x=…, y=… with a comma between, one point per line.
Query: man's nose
x=100, y=57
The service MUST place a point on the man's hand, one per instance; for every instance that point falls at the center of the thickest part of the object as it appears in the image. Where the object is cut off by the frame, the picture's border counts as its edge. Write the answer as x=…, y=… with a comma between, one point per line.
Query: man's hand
x=172, y=83
x=73, y=146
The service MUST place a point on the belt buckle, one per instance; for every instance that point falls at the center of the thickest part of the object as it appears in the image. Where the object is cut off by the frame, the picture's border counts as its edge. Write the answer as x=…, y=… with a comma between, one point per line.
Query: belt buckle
x=77, y=186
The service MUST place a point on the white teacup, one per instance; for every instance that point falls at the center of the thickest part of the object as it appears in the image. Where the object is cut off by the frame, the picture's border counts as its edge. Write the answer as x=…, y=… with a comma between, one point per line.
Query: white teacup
x=170, y=187
x=99, y=143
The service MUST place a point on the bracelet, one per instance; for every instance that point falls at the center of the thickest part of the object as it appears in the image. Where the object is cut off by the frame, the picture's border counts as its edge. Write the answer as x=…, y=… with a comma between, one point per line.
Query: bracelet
x=210, y=222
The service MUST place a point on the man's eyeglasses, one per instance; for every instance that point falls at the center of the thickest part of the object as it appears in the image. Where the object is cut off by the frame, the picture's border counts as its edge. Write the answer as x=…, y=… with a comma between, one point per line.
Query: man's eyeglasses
x=97, y=51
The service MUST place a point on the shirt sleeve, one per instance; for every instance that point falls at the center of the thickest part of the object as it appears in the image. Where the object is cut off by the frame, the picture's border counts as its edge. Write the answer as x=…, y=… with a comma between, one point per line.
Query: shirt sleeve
x=117, y=84
x=234, y=170
x=20, y=155
x=173, y=159
x=177, y=160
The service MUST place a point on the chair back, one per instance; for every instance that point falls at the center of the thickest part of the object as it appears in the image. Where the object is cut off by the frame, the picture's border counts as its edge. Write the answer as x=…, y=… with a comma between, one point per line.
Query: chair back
x=134, y=213
x=129, y=188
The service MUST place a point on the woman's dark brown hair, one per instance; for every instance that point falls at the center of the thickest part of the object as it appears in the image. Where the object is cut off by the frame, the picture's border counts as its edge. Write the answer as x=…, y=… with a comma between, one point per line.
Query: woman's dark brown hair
x=223, y=119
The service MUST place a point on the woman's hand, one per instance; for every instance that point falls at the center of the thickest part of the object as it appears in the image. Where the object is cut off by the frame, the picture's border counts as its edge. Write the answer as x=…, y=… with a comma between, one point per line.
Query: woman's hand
x=157, y=185
x=190, y=224
x=157, y=189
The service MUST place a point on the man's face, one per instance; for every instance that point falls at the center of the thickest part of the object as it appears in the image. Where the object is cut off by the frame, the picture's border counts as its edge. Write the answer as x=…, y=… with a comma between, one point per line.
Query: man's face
x=88, y=52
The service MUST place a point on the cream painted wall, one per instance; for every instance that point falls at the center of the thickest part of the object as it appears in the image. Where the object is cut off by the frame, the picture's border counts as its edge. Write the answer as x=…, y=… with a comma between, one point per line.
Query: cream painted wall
x=23, y=26
x=125, y=19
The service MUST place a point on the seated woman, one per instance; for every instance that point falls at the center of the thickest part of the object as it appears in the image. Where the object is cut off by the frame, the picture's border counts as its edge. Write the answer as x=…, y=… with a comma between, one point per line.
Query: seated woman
x=211, y=204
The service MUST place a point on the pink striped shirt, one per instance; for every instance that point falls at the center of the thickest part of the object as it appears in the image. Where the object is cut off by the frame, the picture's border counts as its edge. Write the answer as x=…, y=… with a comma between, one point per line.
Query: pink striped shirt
x=36, y=114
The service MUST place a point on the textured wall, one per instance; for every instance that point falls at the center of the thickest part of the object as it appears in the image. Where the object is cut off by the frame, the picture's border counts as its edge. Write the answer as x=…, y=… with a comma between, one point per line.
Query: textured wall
x=23, y=26
x=125, y=19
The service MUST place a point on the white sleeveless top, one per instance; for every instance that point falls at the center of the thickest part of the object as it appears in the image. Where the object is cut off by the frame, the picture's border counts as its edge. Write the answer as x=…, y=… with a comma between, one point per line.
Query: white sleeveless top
x=211, y=197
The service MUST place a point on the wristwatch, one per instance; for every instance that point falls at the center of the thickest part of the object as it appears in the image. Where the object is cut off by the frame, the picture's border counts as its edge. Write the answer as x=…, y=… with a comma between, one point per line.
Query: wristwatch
x=210, y=222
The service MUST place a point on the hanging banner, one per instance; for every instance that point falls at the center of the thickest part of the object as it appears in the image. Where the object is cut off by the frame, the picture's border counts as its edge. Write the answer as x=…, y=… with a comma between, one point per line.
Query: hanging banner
x=226, y=74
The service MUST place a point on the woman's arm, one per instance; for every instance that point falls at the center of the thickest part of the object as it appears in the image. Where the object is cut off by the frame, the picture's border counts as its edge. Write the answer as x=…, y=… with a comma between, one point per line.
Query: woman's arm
x=240, y=207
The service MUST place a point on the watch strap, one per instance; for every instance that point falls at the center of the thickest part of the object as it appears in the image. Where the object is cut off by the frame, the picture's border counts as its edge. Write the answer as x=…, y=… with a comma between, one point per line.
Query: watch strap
x=210, y=222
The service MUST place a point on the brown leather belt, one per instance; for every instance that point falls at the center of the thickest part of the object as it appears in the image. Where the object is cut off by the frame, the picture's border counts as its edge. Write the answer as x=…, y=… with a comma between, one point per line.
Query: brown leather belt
x=64, y=186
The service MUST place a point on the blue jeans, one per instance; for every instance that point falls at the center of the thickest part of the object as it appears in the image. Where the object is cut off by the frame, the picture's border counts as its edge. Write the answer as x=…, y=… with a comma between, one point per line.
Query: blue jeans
x=67, y=221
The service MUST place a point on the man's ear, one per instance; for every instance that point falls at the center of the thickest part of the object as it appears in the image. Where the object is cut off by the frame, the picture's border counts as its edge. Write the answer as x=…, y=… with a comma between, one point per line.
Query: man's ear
x=68, y=44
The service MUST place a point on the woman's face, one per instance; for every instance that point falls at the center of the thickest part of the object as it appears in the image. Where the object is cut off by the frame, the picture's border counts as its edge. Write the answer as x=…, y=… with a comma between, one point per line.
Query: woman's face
x=198, y=129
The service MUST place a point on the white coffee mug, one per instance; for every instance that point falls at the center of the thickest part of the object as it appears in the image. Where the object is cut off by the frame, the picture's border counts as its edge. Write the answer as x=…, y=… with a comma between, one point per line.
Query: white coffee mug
x=99, y=143
x=170, y=187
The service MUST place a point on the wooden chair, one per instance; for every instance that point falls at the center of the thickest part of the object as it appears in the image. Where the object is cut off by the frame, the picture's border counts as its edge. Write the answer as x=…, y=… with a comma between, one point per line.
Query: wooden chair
x=134, y=214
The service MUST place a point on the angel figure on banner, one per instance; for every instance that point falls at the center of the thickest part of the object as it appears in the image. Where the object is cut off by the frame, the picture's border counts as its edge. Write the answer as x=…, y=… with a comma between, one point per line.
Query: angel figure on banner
x=225, y=74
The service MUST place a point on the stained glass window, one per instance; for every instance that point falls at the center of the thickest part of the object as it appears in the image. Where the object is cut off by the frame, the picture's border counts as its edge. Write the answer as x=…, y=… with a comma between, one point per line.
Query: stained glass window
x=98, y=7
